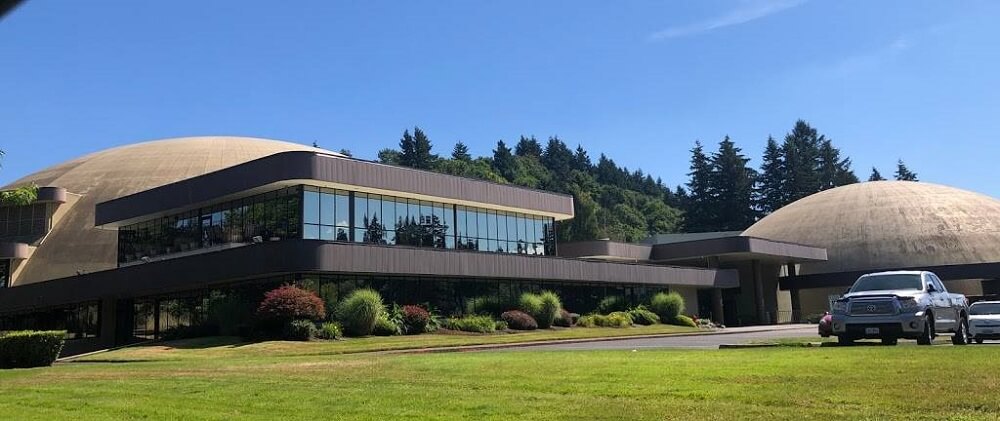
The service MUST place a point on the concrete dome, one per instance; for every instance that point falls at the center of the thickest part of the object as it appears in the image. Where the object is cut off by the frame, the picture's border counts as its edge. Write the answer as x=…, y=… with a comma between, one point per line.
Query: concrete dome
x=74, y=244
x=889, y=224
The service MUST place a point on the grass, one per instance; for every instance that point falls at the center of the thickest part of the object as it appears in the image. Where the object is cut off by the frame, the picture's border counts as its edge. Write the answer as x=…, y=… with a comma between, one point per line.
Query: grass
x=938, y=382
x=225, y=347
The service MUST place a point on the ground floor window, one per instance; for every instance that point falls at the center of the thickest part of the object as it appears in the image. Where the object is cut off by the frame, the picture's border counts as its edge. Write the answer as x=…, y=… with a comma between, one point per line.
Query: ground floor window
x=229, y=310
x=79, y=321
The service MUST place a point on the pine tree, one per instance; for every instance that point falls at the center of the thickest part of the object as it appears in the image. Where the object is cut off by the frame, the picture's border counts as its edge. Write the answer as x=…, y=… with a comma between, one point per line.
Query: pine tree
x=801, y=159
x=503, y=161
x=422, y=158
x=876, y=176
x=559, y=160
x=700, y=209
x=388, y=156
x=581, y=161
x=346, y=152
x=461, y=152
x=770, y=184
x=903, y=173
x=528, y=146
x=833, y=171
x=407, y=150
x=731, y=186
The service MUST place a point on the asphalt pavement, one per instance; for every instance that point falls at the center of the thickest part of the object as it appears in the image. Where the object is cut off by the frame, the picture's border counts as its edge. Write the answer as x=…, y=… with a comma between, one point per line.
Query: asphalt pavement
x=734, y=335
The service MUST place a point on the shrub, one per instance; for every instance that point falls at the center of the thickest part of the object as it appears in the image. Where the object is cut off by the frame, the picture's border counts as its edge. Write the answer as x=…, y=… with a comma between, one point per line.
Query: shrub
x=615, y=319
x=472, y=323
x=359, y=312
x=501, y=325
x=415, y=319
x=551, y=304
x=519, y=320
x=330, y=330
x=289, y=303
x=487, y=304
x=642, y=316
x=27, y=348
x=610, y=304
x=386, y=326
x=565, y=319
x=682, y=320
x=667, y=305
x=530, y=303
x=299, y=330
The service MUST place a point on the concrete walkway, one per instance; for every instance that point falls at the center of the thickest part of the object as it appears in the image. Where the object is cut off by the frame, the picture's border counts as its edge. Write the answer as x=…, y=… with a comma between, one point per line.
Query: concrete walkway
x=706, y=341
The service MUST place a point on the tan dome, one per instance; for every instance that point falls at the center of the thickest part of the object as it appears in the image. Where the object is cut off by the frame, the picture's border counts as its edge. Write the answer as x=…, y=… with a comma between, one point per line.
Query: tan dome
x=889, y=224
x=74, y=244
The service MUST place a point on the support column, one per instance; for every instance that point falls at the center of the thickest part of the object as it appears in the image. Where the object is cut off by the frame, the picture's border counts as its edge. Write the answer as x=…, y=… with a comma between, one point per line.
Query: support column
x=795, y=295
x=758, y=290
x=718, y=310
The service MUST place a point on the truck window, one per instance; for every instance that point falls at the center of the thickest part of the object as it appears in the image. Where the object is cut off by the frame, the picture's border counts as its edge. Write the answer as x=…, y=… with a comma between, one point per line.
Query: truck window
x=888, y=282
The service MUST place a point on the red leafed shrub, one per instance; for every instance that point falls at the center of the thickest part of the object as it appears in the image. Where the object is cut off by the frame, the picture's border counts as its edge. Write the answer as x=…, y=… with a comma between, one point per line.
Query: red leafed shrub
x=519, y=320
x=415, y=319
x=289, y=303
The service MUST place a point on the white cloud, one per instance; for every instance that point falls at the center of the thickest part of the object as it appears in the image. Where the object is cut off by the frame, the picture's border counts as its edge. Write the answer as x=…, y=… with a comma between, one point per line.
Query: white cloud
x=750, y=10
x=870, y=60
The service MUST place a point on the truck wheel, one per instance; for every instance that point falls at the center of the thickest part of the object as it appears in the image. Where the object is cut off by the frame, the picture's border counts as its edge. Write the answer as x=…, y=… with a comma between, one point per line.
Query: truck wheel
x=961, y=336
x=927, y=336
x=890, y=341
x=845, y=340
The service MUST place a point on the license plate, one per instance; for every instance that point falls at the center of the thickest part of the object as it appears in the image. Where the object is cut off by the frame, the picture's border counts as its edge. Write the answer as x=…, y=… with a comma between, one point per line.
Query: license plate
x=871, y=331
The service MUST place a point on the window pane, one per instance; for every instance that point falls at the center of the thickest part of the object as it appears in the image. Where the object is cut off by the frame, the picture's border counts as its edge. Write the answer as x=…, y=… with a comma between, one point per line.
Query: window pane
x=388, y=216
x=360, y=214
x=310, y=208
x=482, y=225
x=400, y=213
x=326, y=232
x=375, y=207
x=310, y=232
x=538, y=235
x=326, y=208
x=342, y=212
x=502, y=227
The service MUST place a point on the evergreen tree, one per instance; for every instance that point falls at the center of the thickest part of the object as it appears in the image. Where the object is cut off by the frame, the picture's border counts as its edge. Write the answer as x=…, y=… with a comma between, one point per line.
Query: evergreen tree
x=407, y=150
x=528, y=147
x=581, y=161
x=801, y=161
x=903, y=173
x=876, y=176
x=731, y=185
x=770, y=184
x=388, y=156
x=461, y=152
x=503, y=161
x=422, y=157
x=559, y=160
x=700, y=209
x=833, y=171
x=346, y=152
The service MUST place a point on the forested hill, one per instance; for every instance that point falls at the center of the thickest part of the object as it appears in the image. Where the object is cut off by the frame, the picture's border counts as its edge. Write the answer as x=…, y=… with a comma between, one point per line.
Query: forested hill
x=723, y=191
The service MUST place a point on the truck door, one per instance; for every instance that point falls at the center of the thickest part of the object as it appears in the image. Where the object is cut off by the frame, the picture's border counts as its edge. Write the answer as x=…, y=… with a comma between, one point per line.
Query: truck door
x=944, y=312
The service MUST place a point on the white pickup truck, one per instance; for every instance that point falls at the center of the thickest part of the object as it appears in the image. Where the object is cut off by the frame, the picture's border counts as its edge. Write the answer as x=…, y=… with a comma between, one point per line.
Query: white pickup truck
x=901, y=304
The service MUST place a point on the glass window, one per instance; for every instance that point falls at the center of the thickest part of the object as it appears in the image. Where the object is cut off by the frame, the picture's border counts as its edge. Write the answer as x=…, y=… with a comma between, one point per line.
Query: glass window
x=326, y=208
x=310, y=232
x=360, y=215
x=502, y=227
x=342, y=212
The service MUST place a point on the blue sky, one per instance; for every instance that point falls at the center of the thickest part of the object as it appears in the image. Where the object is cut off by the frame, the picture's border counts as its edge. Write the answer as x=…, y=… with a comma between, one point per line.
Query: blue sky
x=639, y=80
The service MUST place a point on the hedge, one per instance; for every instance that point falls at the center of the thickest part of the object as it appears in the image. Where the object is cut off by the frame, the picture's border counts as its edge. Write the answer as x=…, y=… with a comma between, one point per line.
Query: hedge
x=480, y=324
x=642, y=316
x=27, y=348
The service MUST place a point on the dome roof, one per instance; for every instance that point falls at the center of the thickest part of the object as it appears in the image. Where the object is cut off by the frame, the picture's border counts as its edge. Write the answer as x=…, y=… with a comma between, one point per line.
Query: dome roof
x=889, y=224
x=74, y=244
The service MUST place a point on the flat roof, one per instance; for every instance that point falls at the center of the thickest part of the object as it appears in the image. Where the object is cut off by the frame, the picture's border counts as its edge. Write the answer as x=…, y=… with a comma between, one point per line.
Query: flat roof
x=722, y=245
x=305, y=167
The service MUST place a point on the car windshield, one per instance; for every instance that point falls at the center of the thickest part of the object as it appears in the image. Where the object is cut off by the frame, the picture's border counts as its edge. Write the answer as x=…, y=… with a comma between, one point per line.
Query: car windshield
x=982, y=309
x=881, y=282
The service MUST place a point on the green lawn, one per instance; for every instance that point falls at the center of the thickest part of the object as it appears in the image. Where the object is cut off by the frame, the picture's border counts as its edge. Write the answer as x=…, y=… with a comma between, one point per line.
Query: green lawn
x=233, y=347
x=874, y=382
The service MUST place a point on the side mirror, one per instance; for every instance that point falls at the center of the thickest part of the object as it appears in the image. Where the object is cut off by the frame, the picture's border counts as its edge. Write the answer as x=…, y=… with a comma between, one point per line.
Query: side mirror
x=930, y=288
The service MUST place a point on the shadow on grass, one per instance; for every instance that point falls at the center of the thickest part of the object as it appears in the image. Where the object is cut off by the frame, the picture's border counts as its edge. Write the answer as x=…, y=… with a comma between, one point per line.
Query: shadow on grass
x=201, y=343
x=107, y=361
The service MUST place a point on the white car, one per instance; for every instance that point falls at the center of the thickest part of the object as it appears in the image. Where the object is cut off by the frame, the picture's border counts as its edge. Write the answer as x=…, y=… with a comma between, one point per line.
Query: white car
x=984, y=321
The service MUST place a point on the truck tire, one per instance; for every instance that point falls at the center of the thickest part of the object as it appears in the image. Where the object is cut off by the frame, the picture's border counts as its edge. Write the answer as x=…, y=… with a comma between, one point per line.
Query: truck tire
x=927, y=336
x=961, y=336
x=845, y=340
x=890, y=341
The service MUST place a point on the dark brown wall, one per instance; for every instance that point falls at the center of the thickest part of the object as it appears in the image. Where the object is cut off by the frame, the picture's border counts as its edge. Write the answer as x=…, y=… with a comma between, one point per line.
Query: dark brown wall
x=291, y=256
x=300, y=165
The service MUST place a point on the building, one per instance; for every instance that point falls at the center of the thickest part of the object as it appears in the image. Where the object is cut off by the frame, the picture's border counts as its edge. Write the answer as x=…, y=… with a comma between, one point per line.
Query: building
x=133, y=242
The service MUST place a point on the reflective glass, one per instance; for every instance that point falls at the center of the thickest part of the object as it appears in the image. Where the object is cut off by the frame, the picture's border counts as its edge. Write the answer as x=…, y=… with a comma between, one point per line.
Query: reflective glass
x=326, y=208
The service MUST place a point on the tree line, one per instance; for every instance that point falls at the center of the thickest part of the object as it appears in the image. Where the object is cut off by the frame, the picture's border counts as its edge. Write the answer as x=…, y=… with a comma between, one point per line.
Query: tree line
x=723, y=192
